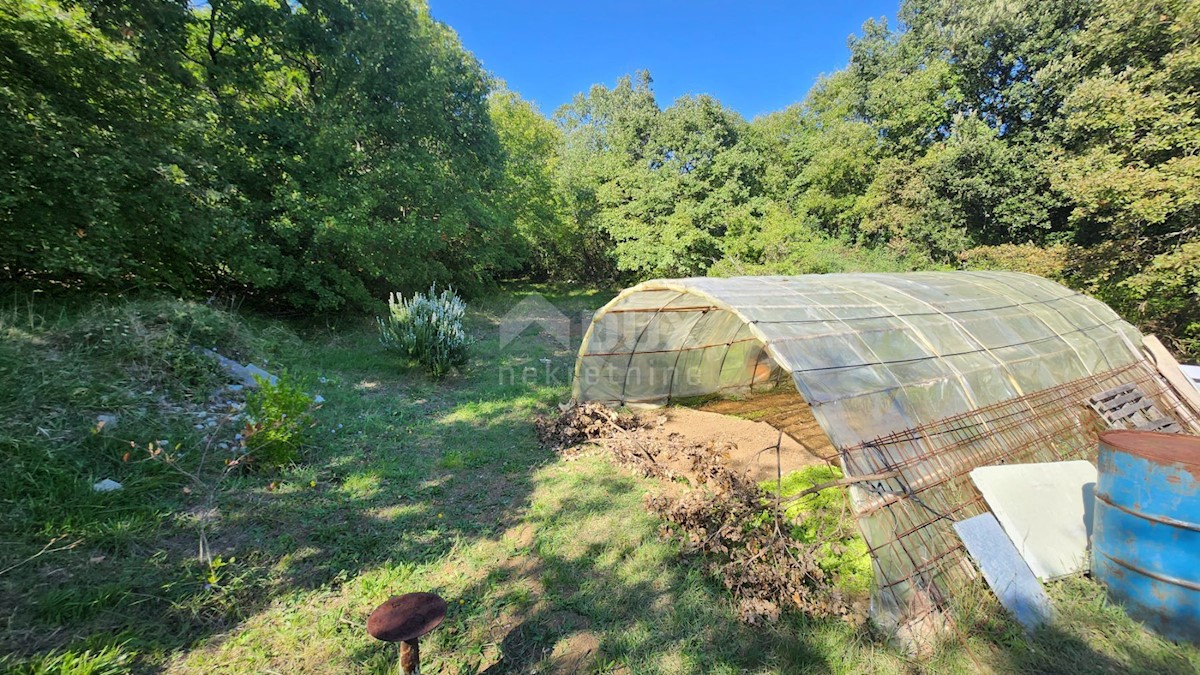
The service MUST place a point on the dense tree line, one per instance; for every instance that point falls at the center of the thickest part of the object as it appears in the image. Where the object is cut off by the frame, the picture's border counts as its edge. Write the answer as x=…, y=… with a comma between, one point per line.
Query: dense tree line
x=315, y=154
x=1059, y=138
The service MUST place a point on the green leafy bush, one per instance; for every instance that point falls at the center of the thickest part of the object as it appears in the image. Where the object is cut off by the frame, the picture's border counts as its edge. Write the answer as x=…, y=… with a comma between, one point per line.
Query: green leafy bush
x=427, y=329
x=280, y=421
x=1161, y=298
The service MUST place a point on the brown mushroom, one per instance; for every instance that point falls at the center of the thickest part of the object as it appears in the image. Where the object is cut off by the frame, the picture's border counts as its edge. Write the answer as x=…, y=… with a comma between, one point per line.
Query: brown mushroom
x=405, y=619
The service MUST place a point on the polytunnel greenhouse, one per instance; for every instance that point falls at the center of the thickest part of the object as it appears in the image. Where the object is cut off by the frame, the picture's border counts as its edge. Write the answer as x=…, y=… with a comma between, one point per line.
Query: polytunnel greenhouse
x=919, y=377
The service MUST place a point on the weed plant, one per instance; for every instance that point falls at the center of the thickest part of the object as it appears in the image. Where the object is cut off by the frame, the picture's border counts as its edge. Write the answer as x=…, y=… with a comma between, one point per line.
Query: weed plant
x=281, y=421
x=825, y=518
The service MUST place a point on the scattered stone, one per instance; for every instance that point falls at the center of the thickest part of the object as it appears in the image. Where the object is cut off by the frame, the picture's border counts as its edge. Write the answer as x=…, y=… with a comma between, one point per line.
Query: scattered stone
x=107, y=485
x=106, y=421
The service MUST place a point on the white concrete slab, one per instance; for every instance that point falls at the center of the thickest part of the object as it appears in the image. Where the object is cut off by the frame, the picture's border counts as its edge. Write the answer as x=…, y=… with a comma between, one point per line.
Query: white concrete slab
x=1045, y=509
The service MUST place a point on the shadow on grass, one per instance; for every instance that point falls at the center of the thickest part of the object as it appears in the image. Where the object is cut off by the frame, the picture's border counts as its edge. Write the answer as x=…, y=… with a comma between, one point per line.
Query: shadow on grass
x=400, y=475
x=590, y=586
x=1089, y=634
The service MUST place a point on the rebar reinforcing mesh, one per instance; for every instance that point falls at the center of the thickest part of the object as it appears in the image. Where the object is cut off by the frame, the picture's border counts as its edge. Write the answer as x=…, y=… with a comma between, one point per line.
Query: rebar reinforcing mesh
x=907, y=521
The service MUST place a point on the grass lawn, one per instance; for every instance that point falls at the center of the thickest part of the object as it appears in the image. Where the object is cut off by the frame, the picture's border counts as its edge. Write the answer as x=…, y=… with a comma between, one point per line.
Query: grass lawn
x=548, y=565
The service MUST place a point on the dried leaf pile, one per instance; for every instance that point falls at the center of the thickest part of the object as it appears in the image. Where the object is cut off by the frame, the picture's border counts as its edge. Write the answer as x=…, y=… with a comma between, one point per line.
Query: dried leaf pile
x=734, y=527
x=578, y=424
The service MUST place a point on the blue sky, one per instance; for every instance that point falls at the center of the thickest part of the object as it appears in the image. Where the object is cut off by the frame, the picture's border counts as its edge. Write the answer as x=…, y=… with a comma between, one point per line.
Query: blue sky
x=754, y=56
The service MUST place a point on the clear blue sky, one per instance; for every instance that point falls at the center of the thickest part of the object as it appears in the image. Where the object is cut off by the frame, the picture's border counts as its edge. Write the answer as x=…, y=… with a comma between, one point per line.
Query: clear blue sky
x=754, y=56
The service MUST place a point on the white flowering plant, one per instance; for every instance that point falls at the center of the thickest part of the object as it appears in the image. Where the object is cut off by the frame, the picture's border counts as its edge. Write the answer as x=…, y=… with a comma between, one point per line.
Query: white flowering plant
x=428, y=329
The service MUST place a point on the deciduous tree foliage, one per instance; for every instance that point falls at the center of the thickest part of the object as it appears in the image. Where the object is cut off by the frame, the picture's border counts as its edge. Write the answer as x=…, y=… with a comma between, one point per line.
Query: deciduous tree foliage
x=311, y=154
x=530, y=197
x=316, y=154
x=1055, y=137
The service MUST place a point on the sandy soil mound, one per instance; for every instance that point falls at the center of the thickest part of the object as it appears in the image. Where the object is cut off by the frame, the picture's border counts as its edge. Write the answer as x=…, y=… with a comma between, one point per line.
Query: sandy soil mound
x=750, y=438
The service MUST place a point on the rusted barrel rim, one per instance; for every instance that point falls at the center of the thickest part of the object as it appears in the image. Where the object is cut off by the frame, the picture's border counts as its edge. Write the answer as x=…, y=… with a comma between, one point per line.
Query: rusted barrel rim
x=1155, y=446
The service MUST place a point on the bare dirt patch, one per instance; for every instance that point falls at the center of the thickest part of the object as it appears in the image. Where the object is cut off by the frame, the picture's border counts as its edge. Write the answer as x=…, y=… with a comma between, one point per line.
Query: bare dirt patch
x=747, y=441
x=785, y=411
x=575, y=653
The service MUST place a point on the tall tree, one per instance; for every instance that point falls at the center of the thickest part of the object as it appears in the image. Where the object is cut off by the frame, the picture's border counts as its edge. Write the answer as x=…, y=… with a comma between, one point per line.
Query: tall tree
x=1131, y=161
x=604, y=133
x=530, y=198
x=311, y=154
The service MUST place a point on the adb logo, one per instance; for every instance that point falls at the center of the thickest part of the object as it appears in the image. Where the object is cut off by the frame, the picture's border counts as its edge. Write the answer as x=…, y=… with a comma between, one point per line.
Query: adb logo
x=535, y=310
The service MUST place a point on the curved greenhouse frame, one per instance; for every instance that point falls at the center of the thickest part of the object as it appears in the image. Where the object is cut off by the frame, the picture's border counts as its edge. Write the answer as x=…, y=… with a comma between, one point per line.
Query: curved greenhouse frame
x=923, y=375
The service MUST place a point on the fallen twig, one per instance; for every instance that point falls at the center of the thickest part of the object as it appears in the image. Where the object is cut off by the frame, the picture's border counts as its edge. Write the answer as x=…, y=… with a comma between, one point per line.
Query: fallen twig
x=840, y=483
x=45, y=549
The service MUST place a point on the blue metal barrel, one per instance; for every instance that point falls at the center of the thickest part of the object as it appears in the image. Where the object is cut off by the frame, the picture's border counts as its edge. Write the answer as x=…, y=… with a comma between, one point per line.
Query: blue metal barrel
x=1146, y=528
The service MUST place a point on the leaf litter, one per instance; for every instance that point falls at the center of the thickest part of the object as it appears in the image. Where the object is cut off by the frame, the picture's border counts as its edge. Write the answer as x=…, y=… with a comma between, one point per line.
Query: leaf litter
x=736, y=529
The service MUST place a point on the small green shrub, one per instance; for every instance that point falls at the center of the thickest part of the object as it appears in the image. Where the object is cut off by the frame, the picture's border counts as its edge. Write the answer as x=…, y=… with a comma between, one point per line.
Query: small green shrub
x=427, y=329
x=280, y=421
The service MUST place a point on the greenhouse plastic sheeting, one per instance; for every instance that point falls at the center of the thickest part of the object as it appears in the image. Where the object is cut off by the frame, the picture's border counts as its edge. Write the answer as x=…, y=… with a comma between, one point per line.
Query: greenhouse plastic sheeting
x=872, y=354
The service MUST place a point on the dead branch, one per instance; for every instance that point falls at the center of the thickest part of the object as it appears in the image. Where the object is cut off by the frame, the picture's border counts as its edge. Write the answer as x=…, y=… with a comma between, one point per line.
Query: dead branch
x=841, y=482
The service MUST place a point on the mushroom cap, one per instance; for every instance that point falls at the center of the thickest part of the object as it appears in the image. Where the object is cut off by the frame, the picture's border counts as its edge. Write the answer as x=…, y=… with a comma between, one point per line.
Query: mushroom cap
x=406, y=617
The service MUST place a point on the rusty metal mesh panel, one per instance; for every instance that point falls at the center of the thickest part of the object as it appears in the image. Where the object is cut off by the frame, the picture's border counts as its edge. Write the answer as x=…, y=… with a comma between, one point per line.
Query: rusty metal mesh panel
x=907, y=521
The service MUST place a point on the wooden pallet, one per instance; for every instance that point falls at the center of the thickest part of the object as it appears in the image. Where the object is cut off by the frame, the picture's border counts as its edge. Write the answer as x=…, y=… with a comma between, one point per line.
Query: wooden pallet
x=1126, y=407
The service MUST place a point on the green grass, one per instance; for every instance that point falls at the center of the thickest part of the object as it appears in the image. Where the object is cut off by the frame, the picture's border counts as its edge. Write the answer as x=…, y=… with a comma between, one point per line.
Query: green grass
x=411, y=485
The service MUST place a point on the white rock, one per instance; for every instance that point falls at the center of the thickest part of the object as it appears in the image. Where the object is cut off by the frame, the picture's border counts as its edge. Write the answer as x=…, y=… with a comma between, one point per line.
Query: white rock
x=107, y=485
x=106, y=421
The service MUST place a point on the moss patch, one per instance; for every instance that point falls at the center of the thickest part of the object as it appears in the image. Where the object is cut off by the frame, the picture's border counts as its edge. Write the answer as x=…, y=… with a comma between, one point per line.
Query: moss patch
x=825, y=517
